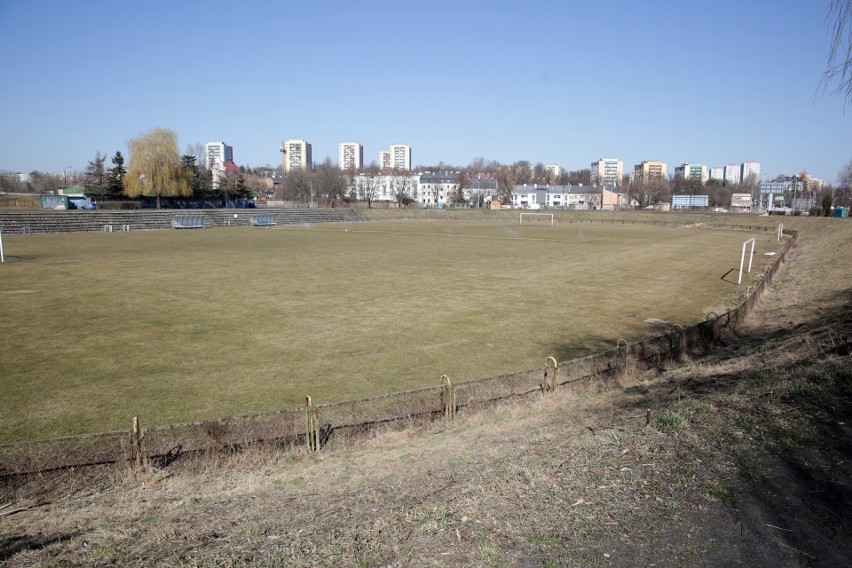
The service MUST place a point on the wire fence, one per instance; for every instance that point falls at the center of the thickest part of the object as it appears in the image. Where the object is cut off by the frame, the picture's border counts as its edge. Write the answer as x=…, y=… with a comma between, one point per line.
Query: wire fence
x=314, y=427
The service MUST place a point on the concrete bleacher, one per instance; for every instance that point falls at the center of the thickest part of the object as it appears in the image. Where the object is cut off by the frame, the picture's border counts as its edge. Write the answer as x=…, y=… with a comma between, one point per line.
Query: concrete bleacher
x=26, y=221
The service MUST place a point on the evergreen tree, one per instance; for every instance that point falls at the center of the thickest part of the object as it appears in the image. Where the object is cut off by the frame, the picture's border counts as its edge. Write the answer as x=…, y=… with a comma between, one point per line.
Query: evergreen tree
x=116, y=175
x=189, y=164
x=95, y=180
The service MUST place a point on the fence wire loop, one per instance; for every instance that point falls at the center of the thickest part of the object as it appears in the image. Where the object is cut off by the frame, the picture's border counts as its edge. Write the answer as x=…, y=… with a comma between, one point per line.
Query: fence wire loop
x=551, y=375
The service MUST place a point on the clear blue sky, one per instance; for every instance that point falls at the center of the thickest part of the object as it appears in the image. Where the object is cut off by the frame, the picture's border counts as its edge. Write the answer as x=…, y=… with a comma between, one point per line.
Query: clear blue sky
x=545, y=81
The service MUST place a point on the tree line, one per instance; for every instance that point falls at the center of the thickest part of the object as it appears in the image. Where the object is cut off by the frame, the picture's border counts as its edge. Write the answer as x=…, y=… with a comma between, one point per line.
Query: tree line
x=156, y=169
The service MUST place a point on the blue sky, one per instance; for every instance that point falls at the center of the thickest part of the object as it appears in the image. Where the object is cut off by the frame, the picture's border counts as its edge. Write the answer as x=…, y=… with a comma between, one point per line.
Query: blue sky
x=545, y=81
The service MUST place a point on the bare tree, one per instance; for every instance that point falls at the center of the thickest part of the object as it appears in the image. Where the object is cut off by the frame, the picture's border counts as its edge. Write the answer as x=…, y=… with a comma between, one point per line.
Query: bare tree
x=508, y=177
x=579, y=177
x=199, y=152
x=154, y=167
x=650, y=192
x=506, y=182
x=9, y=184
x=402, y=186
x=44, y=183
x=330, y=182
x=297, y=187
x=367, y=186
x=839, y=67
x=842, y=194
x=844, y=177
x=477, y=165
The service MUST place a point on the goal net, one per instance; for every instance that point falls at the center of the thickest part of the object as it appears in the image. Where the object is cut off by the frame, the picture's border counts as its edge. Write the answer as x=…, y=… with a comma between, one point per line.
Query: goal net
x=536, y=218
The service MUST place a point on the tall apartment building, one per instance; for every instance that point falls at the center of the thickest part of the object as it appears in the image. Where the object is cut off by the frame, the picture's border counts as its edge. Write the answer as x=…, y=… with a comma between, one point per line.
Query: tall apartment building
x=607, y=170
x=553, y=171
x=296, y=155
x=732, y=174
x=350, y=156
x=396, y=157
x=717, y=173
x=649, y=170
x=216, y=154
x=748, y=168
x=695, y=172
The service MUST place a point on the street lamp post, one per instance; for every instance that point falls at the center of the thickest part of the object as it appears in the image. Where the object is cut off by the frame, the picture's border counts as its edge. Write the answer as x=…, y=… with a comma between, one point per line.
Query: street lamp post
x=65, y=171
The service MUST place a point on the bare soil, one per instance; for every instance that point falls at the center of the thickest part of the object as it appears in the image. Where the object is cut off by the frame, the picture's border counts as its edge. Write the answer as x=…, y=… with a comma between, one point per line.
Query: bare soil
x=738, y=459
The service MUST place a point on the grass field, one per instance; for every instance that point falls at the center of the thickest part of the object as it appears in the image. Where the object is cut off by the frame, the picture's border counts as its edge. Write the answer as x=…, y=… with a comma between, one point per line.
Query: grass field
x=176, y=326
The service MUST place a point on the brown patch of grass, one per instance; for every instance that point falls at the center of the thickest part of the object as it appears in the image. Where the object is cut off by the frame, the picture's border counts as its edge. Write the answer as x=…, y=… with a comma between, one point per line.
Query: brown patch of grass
x=179, y=326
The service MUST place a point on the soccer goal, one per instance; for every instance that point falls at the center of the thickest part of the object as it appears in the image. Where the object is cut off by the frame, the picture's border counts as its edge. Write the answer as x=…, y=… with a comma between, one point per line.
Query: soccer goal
x=536, y=216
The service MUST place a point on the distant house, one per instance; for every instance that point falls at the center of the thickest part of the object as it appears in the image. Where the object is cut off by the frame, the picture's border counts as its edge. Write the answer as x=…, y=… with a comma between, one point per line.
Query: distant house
x=578, y=197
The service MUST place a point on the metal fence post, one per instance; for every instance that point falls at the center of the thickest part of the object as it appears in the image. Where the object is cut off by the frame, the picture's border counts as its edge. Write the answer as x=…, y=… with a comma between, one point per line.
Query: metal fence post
x=622, y=355
x=137, y=456
x=448, y=397
x=312, y=439
x=550, y=379
x=676, y=351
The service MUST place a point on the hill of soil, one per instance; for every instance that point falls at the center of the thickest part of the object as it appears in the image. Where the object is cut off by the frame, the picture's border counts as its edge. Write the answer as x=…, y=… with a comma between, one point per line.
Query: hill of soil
x=739, y=459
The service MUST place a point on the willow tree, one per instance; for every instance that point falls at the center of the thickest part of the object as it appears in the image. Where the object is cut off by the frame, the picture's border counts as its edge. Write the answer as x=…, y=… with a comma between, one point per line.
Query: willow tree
x=154, y=167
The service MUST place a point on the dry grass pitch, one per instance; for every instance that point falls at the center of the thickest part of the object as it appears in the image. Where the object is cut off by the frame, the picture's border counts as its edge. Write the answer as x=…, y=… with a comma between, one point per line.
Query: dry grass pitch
x=175, y=326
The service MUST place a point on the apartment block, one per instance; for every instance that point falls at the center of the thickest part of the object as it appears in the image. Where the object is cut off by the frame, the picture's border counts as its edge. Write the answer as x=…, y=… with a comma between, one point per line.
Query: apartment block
x=296, y=155
x=649, y=170
x=216, y=154
x=695, y=172
x=350, y=156
x=553, y=171
x=717, y=173
x=396, y=157
x=732, y=174
x=607, y=170
x=750, y=168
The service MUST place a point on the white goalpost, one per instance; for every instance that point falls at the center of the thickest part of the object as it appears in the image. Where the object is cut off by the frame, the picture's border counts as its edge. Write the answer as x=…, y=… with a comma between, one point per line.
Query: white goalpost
x=521, y=220
x=742, y=258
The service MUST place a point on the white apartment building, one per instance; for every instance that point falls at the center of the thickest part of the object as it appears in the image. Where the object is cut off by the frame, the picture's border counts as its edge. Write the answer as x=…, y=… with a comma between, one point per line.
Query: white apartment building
x=385, y=187
x=553, y=171
x=350, y=156
x=439, y=188
x=296, y=155
x=748, y=168
x=429, y=189
x=607, y=170
x=216, y=154
x=396, y=157
x=732, y=174
x=717, y=173
x=566, y=197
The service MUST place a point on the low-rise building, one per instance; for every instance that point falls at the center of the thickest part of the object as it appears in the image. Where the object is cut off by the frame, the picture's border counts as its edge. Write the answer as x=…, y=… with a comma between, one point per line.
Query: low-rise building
x=577, y=197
